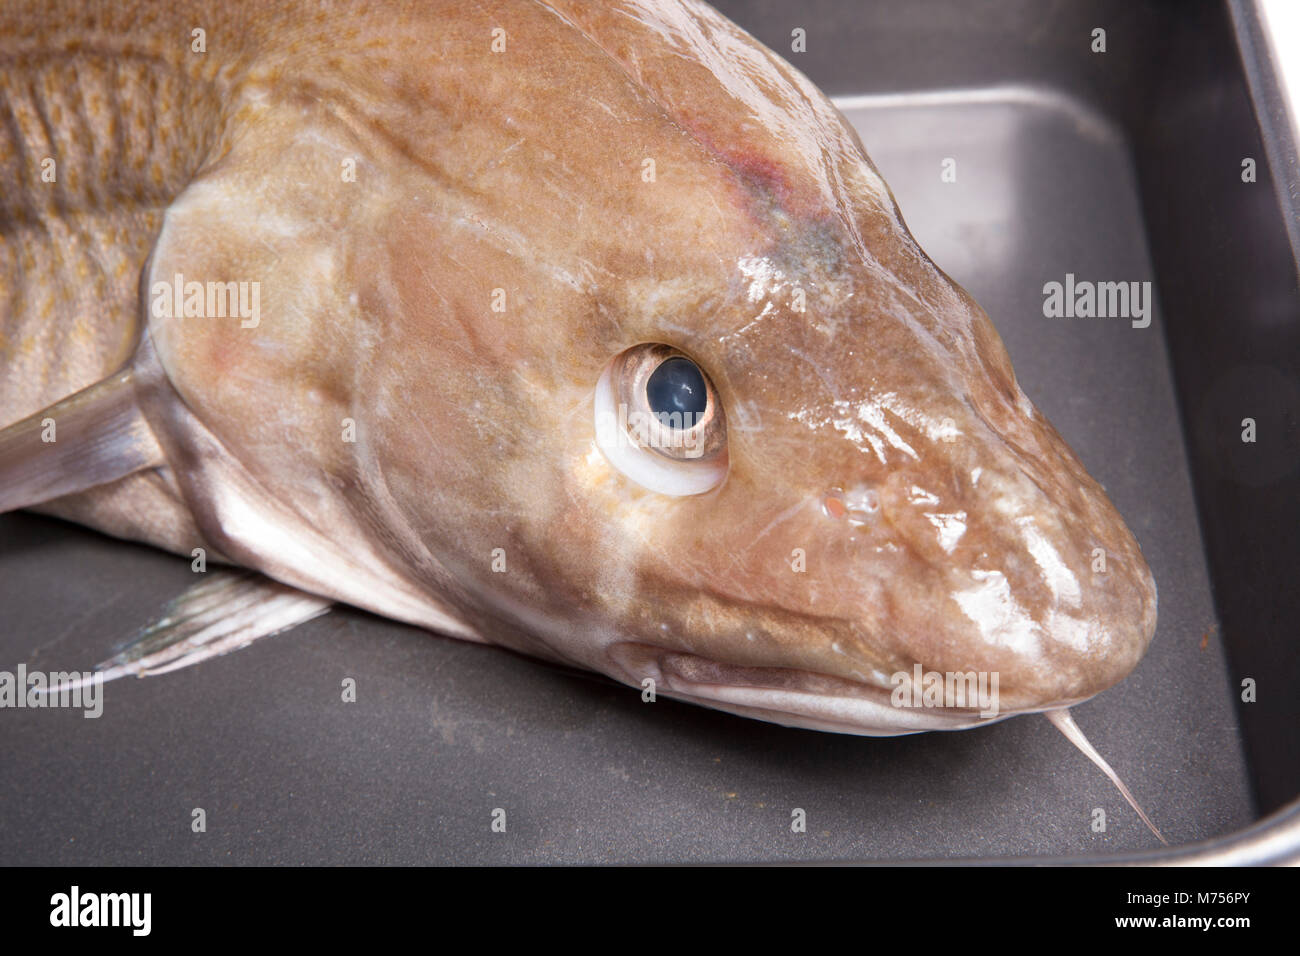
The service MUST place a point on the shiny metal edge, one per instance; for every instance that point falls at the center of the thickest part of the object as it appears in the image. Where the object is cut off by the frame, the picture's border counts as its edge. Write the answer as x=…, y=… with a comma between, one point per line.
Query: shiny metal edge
x=1272, y=114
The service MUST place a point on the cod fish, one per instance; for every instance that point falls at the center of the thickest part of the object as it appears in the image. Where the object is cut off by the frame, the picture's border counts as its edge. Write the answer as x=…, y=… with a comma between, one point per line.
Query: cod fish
x=585, y=329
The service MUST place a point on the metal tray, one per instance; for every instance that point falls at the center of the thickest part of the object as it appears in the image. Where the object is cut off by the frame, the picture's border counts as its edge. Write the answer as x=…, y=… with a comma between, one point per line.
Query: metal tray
x=1116, y=166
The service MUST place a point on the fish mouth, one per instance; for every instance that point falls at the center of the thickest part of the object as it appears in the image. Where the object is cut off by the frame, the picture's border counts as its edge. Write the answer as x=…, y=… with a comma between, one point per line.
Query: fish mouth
x=789, y=696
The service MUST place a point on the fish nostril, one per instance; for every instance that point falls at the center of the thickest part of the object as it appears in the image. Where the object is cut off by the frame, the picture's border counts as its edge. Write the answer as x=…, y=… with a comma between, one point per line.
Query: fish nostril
x=833, y=504
x=859, y=504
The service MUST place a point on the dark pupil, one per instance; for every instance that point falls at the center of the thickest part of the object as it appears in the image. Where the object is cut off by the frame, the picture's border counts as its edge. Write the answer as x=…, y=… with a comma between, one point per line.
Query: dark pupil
x=677, y=386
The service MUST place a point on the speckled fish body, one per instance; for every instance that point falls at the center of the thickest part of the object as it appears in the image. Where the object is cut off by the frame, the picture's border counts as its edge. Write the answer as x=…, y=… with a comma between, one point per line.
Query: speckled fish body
x=455, y=217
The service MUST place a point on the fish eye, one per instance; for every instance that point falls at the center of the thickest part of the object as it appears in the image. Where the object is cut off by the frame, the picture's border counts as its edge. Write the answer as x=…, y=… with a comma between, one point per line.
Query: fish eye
x=659, y=421
x=676, y=387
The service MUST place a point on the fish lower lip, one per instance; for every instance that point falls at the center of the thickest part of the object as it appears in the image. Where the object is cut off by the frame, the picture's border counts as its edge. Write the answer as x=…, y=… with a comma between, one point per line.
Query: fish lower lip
x=787, y=695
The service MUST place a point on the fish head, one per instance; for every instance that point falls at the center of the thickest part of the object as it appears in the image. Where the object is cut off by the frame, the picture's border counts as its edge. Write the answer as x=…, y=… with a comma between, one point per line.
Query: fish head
x=871, y=491
x=531, y=238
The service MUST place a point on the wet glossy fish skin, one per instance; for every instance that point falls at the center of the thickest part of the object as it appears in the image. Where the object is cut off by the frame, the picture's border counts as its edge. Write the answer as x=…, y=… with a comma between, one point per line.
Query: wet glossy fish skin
x=523, y=171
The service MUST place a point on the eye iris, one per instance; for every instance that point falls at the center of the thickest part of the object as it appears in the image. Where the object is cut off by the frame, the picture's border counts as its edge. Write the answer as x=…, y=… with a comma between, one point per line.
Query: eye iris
x=677, y=386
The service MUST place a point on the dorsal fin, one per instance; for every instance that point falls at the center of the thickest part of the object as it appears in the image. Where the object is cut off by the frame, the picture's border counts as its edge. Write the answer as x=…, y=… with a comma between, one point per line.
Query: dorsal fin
x=93, y=437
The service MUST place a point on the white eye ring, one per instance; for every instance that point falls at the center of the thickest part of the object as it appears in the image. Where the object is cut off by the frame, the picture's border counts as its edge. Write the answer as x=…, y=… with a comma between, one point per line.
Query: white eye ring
x=676, y=478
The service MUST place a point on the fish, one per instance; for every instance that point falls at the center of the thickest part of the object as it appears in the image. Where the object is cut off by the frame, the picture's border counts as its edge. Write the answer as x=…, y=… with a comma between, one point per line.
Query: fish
x=585, y=330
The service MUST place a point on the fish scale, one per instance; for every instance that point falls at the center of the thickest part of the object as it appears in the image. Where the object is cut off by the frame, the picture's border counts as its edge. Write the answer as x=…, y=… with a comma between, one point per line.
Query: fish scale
x=71, y=249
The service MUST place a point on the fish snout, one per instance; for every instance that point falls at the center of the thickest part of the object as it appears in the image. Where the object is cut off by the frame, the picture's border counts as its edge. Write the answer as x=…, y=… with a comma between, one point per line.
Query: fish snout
x=1023, y=571
x=1056, y=576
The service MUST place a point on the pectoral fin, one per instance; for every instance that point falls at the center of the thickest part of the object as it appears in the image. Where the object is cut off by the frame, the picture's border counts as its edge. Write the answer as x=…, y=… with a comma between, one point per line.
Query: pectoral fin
x=226, y=611
x=91, y=438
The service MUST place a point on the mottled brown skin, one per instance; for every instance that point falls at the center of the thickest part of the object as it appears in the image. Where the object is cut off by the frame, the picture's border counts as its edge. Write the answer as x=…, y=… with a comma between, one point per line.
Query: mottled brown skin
x=523, y=171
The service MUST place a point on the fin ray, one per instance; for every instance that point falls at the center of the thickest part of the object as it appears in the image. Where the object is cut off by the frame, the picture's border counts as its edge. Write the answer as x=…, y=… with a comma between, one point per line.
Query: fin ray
x=227, y=611
x=99, y=435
